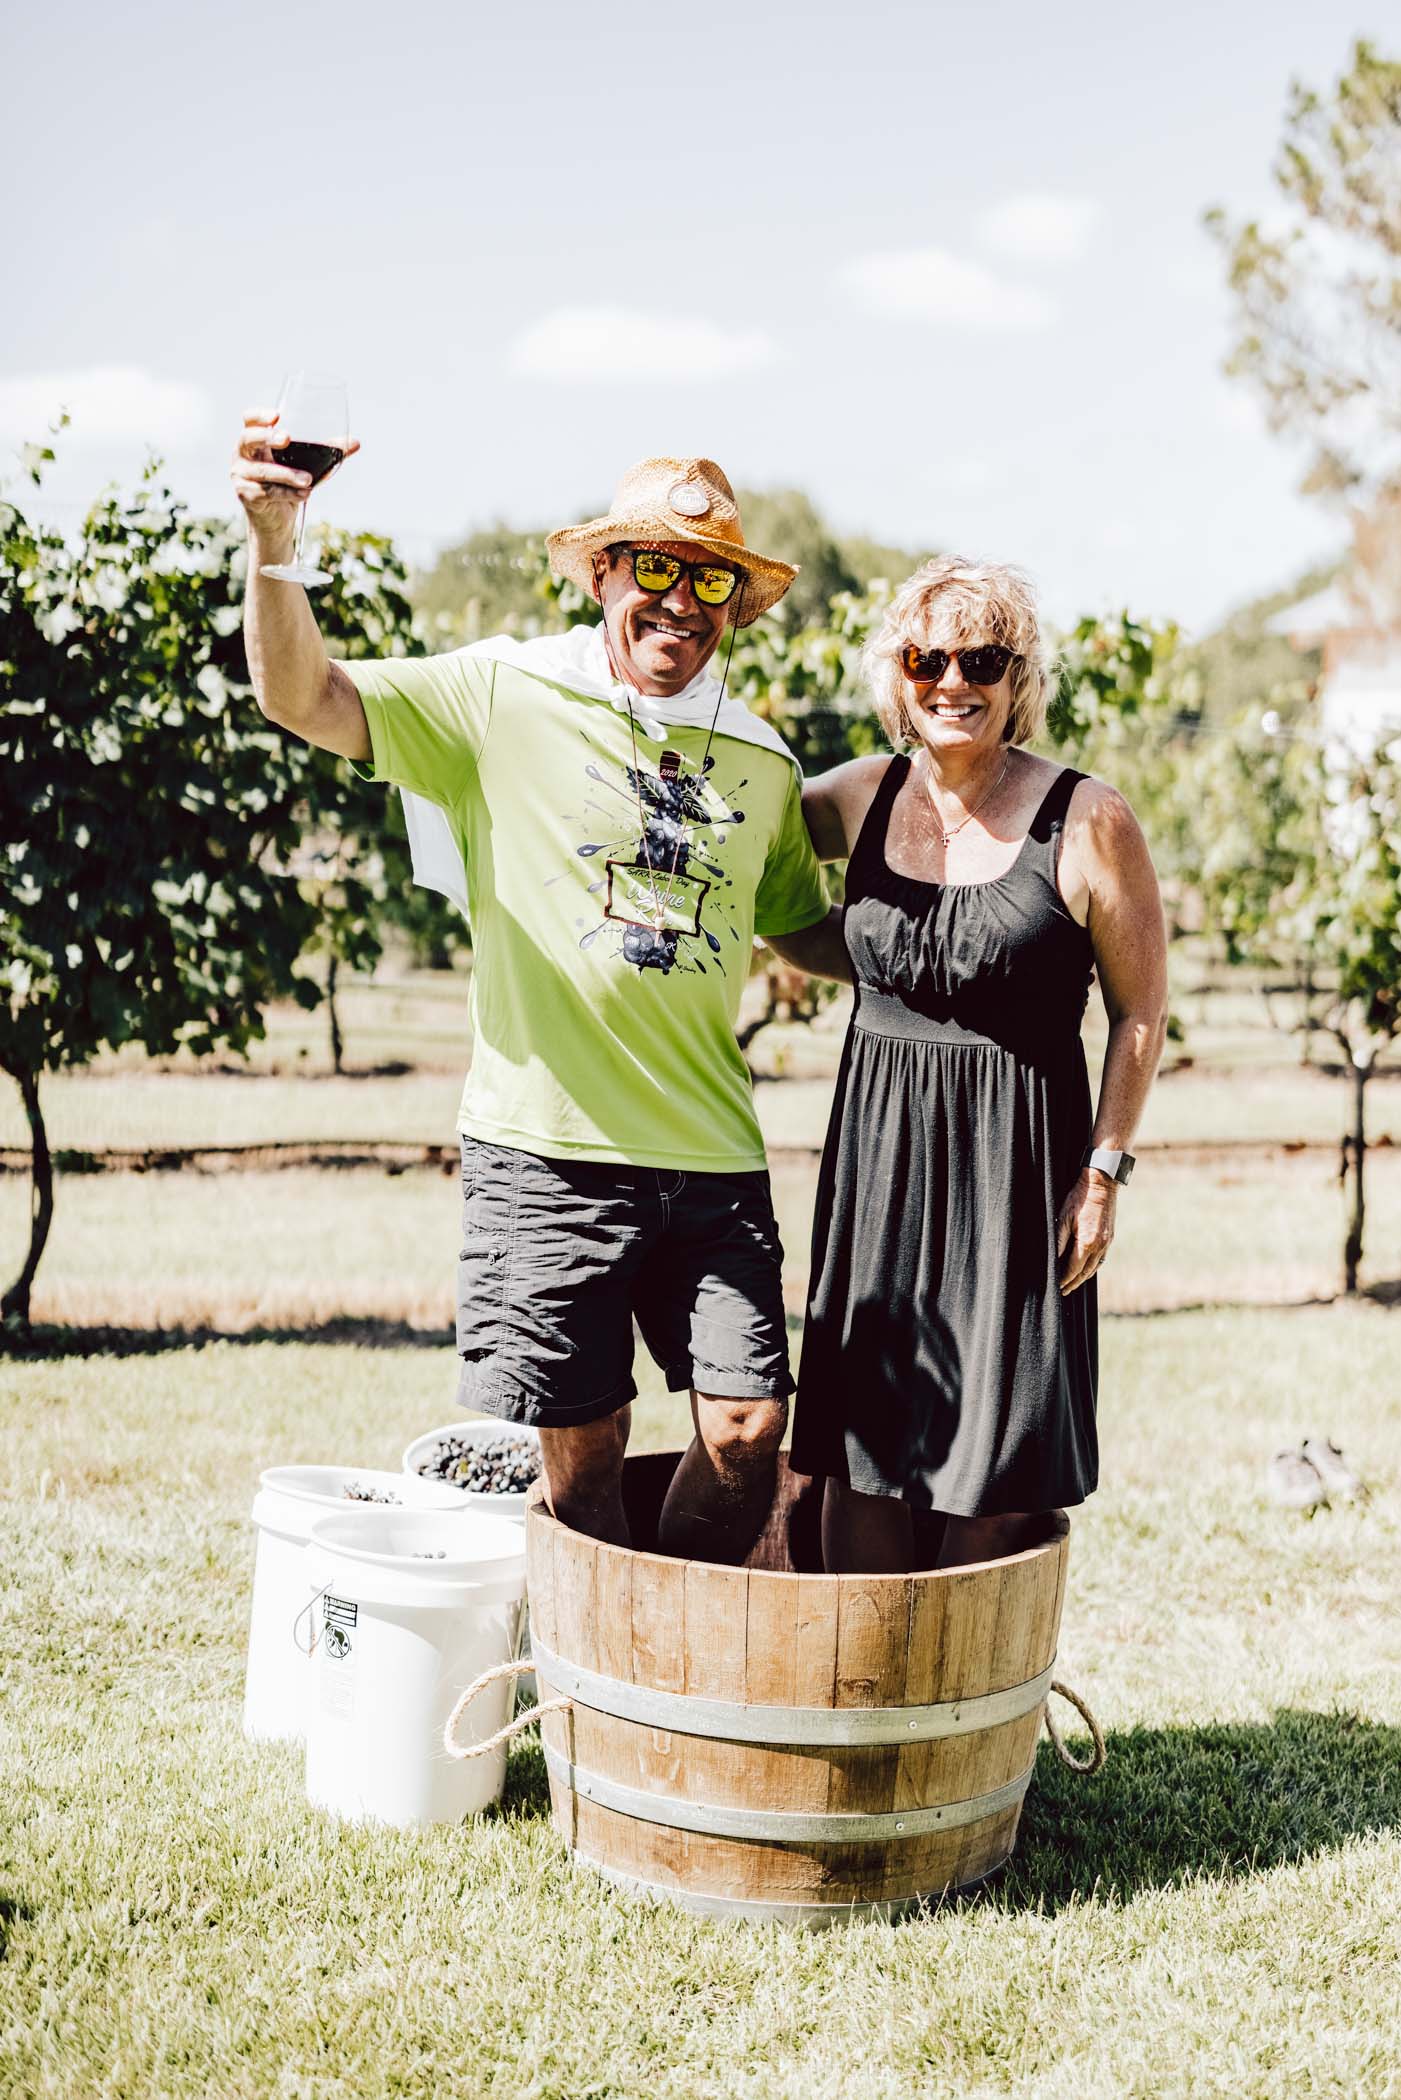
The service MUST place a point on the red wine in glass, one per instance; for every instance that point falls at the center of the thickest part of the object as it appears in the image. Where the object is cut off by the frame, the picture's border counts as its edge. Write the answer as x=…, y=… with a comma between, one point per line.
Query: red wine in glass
x=313, y=425
x=316, y=460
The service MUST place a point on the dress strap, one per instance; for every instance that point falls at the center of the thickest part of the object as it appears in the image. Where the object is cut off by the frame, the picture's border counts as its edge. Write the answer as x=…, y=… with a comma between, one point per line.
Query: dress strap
x=870, y=840
x=1048, y=825
x=1050, y=815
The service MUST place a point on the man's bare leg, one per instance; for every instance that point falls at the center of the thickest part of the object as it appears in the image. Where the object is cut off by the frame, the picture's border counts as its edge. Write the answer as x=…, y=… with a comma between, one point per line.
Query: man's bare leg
x=583, y=1470
x=971, y=1539
x=722, y=1491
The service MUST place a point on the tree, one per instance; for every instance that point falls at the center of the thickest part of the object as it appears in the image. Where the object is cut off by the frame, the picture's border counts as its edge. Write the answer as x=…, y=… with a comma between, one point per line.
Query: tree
x=496, y=580
x=1302, y=870
x=354, y=862
x=151, y=814
x=1318, y=294
x=489, y=583
x=1127, y=705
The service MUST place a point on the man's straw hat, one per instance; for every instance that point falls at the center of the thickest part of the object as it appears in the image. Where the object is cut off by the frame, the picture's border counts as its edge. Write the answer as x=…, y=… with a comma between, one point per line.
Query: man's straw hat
x=675, y=499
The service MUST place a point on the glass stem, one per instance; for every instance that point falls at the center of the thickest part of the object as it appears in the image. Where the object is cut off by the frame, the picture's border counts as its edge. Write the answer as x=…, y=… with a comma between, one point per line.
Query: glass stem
x=301, y=530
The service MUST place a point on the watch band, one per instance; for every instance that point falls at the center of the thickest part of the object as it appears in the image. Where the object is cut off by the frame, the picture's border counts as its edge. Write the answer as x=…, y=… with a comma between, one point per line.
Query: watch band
x=1117, y=1165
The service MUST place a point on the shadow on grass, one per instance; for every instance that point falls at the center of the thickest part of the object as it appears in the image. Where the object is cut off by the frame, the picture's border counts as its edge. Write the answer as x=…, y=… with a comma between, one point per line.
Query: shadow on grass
x=1225, y=1801
x=1171, y=1804
x=44, y=1343
x=12, y=1912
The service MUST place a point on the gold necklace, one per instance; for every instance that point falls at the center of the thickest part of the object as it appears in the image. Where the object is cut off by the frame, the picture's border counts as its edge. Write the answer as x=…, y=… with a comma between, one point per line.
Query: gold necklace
x=945, y=836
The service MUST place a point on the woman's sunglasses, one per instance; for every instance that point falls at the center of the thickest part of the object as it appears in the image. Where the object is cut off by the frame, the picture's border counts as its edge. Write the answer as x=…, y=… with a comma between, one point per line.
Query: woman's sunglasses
x=712, y=583
x=984, y=665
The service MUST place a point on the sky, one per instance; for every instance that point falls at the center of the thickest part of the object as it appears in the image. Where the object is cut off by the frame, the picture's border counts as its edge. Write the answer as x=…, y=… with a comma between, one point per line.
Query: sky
x=942, y=267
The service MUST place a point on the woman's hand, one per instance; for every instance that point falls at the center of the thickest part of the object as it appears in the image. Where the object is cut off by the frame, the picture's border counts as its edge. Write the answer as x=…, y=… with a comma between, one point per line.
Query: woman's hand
x=1085, y=1229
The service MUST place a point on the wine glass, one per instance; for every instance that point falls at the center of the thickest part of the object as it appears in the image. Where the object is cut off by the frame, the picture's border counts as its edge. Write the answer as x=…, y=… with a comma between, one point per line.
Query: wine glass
x=313, y=417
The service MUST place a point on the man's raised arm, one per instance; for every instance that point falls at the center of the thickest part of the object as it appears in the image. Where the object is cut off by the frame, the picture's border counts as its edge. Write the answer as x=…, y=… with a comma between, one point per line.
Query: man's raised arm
x=296, y=684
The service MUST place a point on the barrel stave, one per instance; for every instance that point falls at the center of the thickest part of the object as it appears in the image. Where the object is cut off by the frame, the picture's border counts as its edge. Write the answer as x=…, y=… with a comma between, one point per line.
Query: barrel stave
x=716, y=1631
x=873, y=1632
x=955, y=1768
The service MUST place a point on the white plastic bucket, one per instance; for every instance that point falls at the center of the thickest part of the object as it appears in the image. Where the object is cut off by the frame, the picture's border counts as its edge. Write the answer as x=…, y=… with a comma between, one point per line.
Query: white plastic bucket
x=400, y=1633
x=479, y=1430
x=288, y=1502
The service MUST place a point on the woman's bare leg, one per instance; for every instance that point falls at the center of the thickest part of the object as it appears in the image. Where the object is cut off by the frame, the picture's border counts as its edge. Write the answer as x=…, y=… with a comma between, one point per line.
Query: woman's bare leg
x=971, y=1539
x=865, y=1534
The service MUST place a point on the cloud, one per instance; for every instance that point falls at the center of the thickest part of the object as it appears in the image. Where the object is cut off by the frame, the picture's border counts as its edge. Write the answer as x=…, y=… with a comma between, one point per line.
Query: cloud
x=108, y=403
x=609, y=342
x=935, y=285
x=1039, y=228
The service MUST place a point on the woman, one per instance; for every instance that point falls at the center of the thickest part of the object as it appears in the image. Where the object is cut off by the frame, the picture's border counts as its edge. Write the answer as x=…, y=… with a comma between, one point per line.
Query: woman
x=949, y=1362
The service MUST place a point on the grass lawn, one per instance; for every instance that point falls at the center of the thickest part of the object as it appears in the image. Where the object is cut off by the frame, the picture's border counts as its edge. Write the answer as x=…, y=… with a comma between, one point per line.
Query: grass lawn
x=1216, y=1914
x=293, y=1249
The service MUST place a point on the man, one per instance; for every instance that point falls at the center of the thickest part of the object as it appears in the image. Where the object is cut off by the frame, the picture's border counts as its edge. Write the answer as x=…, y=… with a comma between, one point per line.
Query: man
x=625, y=831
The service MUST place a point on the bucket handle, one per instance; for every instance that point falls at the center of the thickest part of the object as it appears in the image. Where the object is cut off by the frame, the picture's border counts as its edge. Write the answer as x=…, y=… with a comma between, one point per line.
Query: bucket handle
x=309, y=1606
x=522, y=1721
x=1097, y=1754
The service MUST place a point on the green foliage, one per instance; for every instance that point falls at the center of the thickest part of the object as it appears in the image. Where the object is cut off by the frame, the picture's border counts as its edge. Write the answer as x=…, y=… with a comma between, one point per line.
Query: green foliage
x=354, y=860
x=1110, y=675
x=1301, y=867
x=1317, y=300
x=1349, y=906
x=493, y=582
x=140, y=892
x=497, y=580
x=155, y=815
x=807, y=683
x=168, y=855
x=1127, y=707
x=1259, y=802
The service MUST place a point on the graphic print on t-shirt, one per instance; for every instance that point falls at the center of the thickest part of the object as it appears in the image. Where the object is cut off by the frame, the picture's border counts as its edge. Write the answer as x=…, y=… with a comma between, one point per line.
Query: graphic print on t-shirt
x=660, y=890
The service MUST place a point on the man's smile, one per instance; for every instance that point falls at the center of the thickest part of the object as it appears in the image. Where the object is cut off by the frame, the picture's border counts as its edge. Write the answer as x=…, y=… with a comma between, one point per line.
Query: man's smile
x=671, y=630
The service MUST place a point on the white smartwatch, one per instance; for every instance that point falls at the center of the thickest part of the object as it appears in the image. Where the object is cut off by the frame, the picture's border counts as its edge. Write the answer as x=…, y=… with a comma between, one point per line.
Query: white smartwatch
x=1117, y=1165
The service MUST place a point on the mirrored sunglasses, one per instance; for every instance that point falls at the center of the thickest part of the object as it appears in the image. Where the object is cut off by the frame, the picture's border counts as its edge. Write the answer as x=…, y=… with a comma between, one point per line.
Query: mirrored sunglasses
x=711, y=581
x=985, y=665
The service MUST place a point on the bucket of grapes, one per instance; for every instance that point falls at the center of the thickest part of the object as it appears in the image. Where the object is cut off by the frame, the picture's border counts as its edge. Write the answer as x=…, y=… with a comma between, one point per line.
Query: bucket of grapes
x=493, y=1465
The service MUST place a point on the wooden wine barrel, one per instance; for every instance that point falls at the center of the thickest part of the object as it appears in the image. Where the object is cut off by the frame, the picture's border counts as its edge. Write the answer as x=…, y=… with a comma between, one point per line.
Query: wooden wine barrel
x=767, y=1744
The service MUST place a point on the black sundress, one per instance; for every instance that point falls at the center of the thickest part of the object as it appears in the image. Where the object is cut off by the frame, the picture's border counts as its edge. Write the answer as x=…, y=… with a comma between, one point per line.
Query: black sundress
x=940, y=1363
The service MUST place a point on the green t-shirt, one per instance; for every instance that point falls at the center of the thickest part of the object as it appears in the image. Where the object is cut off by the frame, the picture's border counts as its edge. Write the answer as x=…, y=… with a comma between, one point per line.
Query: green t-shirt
x=596, y=1035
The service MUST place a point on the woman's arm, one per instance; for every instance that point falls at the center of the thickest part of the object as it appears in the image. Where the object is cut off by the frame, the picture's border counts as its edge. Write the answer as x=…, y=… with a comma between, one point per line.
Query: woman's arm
x=1110, y=865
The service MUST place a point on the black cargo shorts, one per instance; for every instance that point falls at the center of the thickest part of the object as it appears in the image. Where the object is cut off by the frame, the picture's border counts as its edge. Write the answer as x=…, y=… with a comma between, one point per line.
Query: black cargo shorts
x=559, y=1257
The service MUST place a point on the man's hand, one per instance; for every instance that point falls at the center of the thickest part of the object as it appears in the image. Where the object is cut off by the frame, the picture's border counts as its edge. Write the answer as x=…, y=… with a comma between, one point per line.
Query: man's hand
x=294, y=683
x=269, y=491
x=1085, y=1229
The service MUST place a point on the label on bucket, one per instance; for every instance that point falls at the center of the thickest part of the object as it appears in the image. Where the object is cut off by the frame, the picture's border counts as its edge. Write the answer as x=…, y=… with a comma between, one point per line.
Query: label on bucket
x=337, y=1690
x=339, y=1619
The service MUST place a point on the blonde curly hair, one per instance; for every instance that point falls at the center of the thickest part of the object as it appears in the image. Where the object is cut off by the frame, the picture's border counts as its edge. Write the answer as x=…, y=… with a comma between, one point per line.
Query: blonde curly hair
x=952, y=600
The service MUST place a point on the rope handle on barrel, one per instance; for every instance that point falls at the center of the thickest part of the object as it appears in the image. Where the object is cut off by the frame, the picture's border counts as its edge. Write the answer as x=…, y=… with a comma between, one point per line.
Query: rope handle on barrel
x=1098, y=1754
x=523, y=1721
